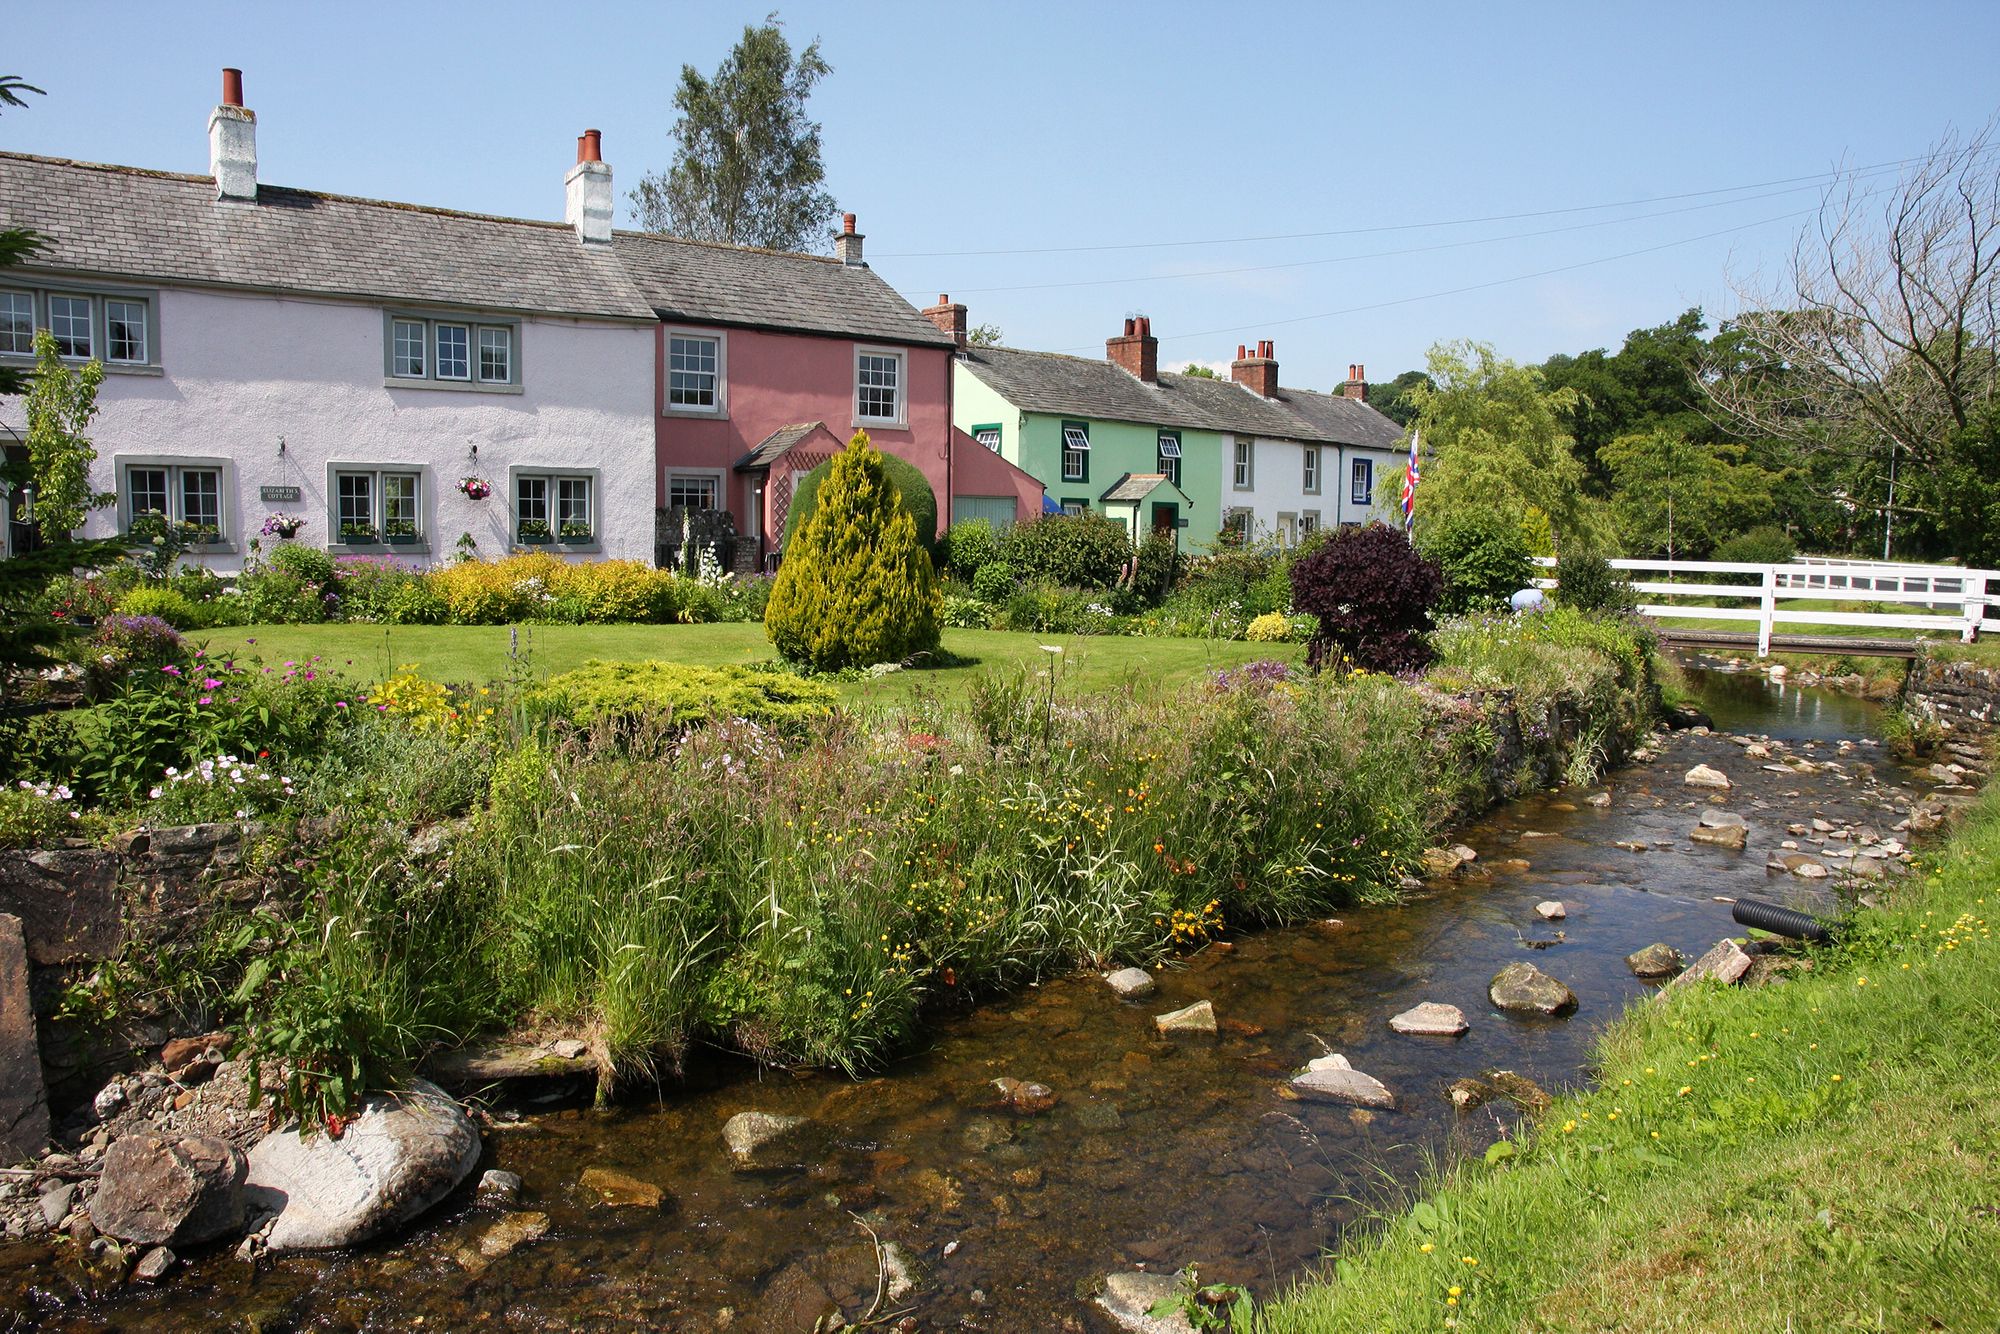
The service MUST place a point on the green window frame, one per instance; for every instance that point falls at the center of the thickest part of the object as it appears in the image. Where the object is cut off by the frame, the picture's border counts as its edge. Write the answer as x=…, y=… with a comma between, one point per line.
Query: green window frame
x=1075, y=444
x=985, y=429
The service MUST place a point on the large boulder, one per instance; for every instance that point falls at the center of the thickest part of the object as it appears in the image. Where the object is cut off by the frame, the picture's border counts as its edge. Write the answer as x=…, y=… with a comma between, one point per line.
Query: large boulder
x=169, y=1192
x=400, y=1156
x=761, y=1141
x=1131, y=983
x=1332, y=1079
x=24, y=1108
x=1729, y=836
x=1656, y=960
x=1526, y=989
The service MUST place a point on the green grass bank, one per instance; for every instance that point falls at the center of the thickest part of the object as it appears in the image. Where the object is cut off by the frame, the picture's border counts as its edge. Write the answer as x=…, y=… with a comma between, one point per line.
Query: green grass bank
x=1812, y=1155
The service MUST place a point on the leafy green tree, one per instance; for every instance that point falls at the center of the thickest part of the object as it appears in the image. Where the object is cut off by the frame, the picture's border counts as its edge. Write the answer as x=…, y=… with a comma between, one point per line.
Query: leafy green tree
x=985, y=335
x=60, y=404
x=1678, y=497
x=1494, y=442
x=1392, y=399
x=1483, y=556
x=856, y=587
x=1199, y=371
x=747, y=167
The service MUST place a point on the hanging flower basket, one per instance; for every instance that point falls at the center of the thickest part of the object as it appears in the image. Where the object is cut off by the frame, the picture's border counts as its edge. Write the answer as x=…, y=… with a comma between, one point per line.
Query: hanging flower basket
x=284, y=527
x=475, y=488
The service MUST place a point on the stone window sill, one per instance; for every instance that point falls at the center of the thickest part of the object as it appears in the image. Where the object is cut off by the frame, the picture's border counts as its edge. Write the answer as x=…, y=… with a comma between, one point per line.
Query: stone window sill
x=448, y=386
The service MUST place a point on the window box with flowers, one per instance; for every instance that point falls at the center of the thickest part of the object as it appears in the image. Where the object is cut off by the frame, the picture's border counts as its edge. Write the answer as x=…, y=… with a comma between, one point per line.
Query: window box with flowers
x=535, y=533
x=574, y=530
x=400, y=532
x=358, y=534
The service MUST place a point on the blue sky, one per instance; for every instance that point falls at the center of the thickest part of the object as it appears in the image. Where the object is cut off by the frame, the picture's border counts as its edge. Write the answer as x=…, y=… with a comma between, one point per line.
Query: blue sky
x=1052, y=127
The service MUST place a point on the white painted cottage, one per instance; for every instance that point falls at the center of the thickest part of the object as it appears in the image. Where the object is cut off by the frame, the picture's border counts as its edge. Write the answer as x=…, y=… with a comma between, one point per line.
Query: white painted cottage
x=346, y=361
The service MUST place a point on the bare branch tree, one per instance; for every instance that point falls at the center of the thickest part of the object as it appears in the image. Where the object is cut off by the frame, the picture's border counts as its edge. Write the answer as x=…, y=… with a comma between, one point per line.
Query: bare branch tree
x=1887, y=333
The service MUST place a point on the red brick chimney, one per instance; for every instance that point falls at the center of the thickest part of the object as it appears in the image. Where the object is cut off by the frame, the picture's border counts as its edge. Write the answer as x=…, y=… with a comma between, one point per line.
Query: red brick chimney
x=949, y=316
x=1356, y=385
x=1136, y=350
x=1257, y=372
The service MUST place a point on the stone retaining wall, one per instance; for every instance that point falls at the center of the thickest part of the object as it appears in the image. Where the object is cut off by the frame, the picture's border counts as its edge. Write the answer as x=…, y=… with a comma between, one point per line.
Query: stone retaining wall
x=1960, y=695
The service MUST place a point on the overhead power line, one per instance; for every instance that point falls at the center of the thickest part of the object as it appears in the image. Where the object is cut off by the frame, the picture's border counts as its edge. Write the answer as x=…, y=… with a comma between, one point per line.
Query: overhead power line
x=1823, y=176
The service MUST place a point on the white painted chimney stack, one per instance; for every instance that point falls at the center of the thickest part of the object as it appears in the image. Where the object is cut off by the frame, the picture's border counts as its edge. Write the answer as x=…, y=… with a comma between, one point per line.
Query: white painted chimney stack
x=232, y=143
x=587, y=191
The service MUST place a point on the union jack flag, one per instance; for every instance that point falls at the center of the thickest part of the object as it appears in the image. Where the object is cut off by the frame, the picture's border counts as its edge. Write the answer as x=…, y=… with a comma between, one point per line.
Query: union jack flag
x=1412, y=474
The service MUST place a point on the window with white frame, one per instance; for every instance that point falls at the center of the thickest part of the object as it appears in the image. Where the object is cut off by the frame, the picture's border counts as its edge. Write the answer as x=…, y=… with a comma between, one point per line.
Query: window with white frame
x=1170, y=456
x=1075, y=452
x=166, y=495
x=693, y=491
x=117, y=327
x=377, y=505
x=554, y=507
x=1243, y=465
x=70, y=322
x=1312, y=470
x=878, y=385
x=1361, y=491
x=694, y=373
x=988, y=436
x=17, y=323
x=452, y=351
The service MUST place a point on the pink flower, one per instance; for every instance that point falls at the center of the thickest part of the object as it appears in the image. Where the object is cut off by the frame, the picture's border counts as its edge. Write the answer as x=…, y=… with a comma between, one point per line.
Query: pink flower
x=209, y=683
x=171, y=670
x=206, y=699
x=340, y=704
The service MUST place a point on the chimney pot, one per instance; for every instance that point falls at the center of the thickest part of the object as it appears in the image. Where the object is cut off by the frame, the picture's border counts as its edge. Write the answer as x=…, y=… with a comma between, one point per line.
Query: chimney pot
x=232, y=142
x=1241, y=351
x=847, y=243
x=847, y=224
x=1131, y=326
x=587, y=200
x=1257, y=372
x=232, y=87
x=590, y=146
x=1136, y=350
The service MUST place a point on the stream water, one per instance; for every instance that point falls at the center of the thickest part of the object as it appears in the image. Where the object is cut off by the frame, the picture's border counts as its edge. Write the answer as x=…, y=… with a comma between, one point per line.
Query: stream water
x=1157, y=1153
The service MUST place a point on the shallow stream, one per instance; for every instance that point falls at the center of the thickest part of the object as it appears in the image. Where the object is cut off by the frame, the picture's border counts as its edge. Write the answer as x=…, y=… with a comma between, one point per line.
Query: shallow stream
x=1157, y=1153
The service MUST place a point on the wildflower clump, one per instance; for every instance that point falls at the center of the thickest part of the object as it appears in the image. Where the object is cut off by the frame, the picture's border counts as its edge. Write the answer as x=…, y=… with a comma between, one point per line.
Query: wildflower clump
x=856, y=586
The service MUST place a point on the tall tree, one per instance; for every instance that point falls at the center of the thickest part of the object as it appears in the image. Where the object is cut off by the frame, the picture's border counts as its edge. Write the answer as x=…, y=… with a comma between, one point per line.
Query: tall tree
x=747, y=164
x=1493, y=431
x=60, y=404
x=1678, y=497
x=1392, y=399
x=1881, y=336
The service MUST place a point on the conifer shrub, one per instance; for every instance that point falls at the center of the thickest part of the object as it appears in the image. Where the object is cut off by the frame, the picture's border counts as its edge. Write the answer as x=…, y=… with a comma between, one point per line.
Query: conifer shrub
x=1373, y=596
x=905, y=477
x=1087, y=550
x=856, y=586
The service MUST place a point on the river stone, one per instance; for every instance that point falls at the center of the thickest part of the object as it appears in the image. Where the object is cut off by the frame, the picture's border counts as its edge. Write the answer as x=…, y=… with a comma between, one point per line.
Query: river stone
x=1683, y=717
x=1703, y=776
x=1440, y=862
x=761, y=1141
x=511, y=1233
x=1024, y=1096
x=1526, y=989
x=56, y=1202
x=153, y=1265
x=401, y=1155
x=1464, y=852
x=1342, y=1084
x=1730, y=837
x=1598, y=799
x=1725, y=963
x=499, y=1189
x=24, y=1107
x=1196, y=1018
x=1430, y=1019
x=1128, y=1297
x=1551, y=910
x=1654, y=961
x=177, y=1192
x=621, y=1190
x=1523, y=1092
x=1716, y=819
x=1131, y=983
x=1942, y=773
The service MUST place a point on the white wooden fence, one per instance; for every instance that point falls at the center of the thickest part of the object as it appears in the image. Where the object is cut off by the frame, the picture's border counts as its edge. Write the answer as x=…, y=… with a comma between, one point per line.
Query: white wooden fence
x=1966, y=592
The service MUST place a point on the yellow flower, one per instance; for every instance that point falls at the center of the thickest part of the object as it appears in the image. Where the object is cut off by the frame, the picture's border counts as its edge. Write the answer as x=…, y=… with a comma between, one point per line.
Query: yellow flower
x=1426, y=1248
x=1454, y=1290
x=1685, y=1090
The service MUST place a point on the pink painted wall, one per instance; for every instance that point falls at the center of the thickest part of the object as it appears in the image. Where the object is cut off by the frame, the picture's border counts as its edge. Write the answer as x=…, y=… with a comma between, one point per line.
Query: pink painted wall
x=776, y=379
x=978, y=471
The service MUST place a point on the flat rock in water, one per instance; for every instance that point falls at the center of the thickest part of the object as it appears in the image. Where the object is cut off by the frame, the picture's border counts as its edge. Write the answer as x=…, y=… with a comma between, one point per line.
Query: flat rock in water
x=1129, y=1297
x=24, y=1107
x=1196, y=1018
x=1440, y=862
x=161, y=1191
x=760, y=1141
x=621, y=1190
x=400, y=1156
x=1715, y=819
x=1430, y=1019
x=1343, y=1085
x=1731, y=837
x=1131, y=983
x=1525, y=989
x=1551, y=910
x=1725, y=963
x=1654, y=961
x=511, y=1233
x=1704, y=776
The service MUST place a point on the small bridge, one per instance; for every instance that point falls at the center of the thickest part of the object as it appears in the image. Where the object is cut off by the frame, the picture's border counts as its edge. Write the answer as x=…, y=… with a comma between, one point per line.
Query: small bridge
x=1931, y=600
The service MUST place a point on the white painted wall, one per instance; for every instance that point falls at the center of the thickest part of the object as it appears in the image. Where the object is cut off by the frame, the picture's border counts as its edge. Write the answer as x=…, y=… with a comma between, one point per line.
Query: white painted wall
x=242, y=370
x=1277, y=483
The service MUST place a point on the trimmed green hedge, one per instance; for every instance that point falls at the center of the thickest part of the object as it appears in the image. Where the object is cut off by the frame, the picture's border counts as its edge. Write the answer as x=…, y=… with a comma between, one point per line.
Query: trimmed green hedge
x=628, y=691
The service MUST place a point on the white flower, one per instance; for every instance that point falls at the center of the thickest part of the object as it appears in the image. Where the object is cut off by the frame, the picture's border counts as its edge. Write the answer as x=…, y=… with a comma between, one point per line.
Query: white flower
x=1051, y=648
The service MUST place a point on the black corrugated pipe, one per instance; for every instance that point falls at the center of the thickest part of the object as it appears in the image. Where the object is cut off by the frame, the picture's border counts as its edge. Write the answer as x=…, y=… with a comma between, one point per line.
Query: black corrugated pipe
x=1780, y=920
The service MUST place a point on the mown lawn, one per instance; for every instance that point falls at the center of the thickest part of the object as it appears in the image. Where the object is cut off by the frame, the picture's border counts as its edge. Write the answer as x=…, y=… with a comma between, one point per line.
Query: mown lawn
x=470, y=653
x=1814, y=1155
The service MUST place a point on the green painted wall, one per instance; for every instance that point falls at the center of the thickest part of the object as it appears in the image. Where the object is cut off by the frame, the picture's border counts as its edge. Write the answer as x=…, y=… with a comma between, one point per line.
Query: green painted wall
x=1032, y=441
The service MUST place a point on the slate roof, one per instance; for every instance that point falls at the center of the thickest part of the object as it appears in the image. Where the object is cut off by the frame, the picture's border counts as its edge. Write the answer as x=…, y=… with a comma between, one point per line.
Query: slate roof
x=776, y=444
x=155, y=226
x=703, y=282
x=1054, y=383
x=1136, y=486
